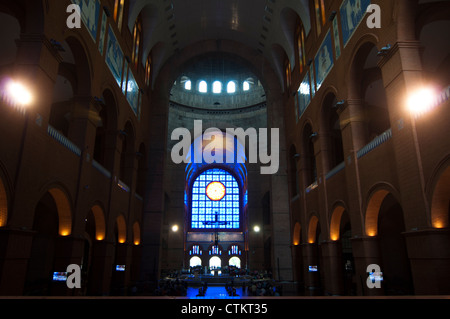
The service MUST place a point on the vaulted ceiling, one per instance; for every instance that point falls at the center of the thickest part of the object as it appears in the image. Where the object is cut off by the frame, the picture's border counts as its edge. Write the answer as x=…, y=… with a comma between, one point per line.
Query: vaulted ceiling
x=267, y=26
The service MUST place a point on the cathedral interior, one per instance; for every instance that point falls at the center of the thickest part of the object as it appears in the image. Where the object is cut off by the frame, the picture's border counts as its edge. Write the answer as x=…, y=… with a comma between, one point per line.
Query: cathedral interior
x=268, y=147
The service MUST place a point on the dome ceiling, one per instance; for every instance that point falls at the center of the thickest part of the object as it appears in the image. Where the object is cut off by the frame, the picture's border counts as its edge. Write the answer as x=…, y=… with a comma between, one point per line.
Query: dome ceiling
x=264, y=25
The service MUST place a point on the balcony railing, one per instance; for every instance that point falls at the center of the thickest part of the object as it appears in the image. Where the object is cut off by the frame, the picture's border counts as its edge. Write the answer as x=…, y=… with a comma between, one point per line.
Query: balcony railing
x=101, y=169
x=312, y=186
x=377, y=141
x=123, y=186
x=63, y=140
x=339, y=167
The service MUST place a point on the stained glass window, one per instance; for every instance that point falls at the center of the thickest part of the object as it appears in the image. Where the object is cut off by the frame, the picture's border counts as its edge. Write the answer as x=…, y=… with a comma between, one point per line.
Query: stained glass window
x=207, y=213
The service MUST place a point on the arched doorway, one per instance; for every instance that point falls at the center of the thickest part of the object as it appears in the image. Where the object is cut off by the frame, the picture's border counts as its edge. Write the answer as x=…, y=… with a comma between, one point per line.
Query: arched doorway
x=195, y=261
x=3, y=204
x=440, y=203
x=40, y=265
x=235, y=261
x=384, y=219
x=341, y=233
x=52, y=218
x=215, y=263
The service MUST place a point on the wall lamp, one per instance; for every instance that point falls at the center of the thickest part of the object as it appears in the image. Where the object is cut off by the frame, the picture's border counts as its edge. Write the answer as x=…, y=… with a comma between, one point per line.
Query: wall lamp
x=332, y=15
x=384, y=50
x=339, y=103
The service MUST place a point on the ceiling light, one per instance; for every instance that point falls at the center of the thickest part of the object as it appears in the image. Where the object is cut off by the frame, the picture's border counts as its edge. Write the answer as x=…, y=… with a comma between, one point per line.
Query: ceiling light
x=18, y=93
x=421, y=100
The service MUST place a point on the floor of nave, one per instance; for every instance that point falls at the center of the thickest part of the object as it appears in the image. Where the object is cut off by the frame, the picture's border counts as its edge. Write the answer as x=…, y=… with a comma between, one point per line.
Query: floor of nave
x=214, y=292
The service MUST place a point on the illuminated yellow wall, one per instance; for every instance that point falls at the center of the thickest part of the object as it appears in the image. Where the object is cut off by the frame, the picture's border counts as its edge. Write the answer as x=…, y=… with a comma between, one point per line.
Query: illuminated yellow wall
x=3, y=205
x=373, y=209
x=296, y=240
x=64, y=211
x=312, y=229
x=336, y=222
x=99, y=218
x=121, y=229
x=136, y=234
x=440, y=201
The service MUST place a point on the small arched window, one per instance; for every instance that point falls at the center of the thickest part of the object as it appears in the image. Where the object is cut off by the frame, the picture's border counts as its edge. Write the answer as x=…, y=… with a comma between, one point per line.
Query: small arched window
x=231, y=87
x=203, y=87
x=301, y=48
x=246, y=86
x=217, y=87
x=118, y=13
x=137, y=36
x=319, y=8
x=148, y=69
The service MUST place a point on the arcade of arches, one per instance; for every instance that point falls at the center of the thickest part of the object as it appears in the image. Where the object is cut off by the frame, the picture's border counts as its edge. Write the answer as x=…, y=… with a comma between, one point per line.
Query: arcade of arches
x=90, y=122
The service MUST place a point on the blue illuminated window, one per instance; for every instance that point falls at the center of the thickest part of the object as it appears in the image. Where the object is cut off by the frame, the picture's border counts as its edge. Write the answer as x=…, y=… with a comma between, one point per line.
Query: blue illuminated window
x=223, y=213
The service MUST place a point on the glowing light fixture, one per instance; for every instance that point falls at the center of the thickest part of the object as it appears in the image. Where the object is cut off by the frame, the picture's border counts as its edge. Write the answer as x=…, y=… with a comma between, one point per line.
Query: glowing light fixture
x=421, y=100
x=175, y=228
x=18, y=93
x=215, y=191
x=256, y=228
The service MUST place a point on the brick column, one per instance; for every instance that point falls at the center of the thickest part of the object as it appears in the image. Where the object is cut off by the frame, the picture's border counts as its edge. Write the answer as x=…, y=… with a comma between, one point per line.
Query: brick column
x=333, y=268
x=15, y=248
x=99, y=281
x=312, y=278
x=152, y=216
x=429, y=254
x=366, y=252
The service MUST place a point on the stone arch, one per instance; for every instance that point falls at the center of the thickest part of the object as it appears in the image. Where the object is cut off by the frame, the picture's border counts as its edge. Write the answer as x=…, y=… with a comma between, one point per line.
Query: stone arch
x=335, y=223
x=366, y=93
x=308, y=155
x=121, y=229
x=296, y=237
x=73, y=83
x=136, y=233
x=106, y=129
x=99, y=221
x=312, y=229
x=64, y=209
x=259, y=65
x=3, y=204
x=440, y=197
x=430, y=22
x=330, y=129
x=376, y=198
x=289, y=23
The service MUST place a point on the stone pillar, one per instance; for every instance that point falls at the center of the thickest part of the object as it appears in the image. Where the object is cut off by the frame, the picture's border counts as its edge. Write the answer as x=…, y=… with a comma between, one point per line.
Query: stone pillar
x=312, y=278
x=281, y=230
x=429, y=255
x=68, y=250
x=333, y=267
x=297, y=258
x=152, y=216
x=99, y=280
x=366, y=252
x=121, y=278
x=15, y=249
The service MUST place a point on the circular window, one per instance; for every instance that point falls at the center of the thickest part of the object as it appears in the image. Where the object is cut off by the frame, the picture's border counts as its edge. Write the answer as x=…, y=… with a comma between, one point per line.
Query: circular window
x=215, y=191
